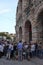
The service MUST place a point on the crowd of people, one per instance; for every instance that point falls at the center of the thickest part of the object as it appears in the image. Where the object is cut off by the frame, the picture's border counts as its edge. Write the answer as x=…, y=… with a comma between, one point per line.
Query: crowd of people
x=6, y=49
x=29, y=50
x=20, y=50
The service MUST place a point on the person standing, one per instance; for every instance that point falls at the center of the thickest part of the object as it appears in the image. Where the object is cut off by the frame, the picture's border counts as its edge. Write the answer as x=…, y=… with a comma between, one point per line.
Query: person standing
x=33, y=49
x=1, y=50
x=12, y=51
x=10, y=48
x=25, y=47
x=20, y=49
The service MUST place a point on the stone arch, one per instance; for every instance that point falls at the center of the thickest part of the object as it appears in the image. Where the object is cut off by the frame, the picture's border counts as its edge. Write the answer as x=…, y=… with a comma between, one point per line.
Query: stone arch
x=40, y=25
x=28, y=31
x=20, y=33
x=38, y=10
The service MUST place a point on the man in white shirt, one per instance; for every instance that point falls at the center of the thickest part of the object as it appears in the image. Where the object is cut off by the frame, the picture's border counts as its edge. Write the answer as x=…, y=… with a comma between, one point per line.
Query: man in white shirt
x=10, y=48
x=1, y=50
x=33, y=49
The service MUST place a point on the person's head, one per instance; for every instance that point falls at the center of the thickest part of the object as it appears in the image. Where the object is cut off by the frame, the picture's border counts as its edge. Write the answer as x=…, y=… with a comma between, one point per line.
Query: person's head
x=0, y=43
x=40, y=42
x=12, y=43
x=25, y=42
x=20, y=41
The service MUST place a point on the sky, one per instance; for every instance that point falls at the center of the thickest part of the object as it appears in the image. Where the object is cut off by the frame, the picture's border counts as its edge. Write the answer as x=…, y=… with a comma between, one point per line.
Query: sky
x=8, y=15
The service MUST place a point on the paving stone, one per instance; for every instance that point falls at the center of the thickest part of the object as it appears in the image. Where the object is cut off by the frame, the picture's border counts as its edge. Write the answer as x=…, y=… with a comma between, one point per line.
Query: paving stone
x=33, y=61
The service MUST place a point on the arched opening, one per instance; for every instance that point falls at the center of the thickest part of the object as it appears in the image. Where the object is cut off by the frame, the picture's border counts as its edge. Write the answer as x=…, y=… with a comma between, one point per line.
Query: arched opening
x=28, y=31
x=40, y=26
x=20, y=33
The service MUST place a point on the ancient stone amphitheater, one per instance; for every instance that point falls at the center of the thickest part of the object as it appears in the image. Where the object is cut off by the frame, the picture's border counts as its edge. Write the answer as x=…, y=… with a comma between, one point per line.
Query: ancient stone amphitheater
x=29, y=20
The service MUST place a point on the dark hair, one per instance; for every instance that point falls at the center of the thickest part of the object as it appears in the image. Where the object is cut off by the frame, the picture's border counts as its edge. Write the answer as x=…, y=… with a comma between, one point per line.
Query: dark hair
x=40, y=43
x=20, y=41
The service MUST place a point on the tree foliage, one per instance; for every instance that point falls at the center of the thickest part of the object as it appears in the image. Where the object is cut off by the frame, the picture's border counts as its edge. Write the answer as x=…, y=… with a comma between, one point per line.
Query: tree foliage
x=6, y=35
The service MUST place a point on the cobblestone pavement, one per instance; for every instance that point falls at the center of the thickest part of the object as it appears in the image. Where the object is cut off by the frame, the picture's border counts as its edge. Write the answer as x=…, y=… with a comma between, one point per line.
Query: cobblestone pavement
x=34, y=61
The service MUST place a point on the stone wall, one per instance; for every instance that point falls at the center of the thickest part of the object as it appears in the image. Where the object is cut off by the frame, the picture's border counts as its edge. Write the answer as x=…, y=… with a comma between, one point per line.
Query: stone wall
x=28, y=10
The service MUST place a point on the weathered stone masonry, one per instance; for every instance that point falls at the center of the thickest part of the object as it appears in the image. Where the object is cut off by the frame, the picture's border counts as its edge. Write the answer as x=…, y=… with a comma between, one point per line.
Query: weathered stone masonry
x=29, y=20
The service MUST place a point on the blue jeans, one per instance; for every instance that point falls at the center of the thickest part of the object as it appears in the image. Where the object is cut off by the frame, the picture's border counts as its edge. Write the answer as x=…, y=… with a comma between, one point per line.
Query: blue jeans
x=33, y=53
x=39, y=53
x=19, y=55
x=42, y=53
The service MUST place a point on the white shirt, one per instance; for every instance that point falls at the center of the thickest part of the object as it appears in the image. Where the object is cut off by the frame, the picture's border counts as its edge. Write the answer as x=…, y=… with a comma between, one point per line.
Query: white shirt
x=32, y=47
x=26, y=46
x=11, y=46
x=1, y=48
